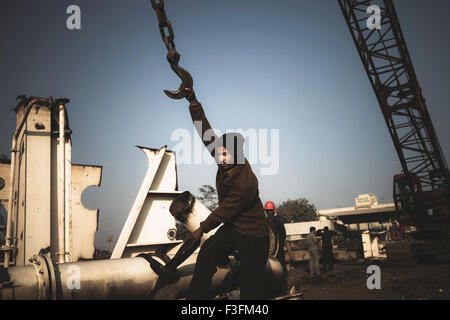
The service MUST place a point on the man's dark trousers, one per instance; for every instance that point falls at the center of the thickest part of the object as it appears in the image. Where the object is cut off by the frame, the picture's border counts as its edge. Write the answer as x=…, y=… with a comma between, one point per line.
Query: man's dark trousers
x=328, y=259
x=327, y=247
x=253, y=255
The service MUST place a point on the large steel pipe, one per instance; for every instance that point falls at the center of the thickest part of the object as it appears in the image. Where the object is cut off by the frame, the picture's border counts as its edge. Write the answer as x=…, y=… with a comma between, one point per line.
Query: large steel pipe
x=225, y=280
x=105, y=279
x=130, y=278
x=21, y=283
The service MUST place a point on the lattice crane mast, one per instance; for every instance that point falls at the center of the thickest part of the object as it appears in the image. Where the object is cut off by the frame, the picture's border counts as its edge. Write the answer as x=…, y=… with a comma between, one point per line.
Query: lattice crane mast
x=422, y=189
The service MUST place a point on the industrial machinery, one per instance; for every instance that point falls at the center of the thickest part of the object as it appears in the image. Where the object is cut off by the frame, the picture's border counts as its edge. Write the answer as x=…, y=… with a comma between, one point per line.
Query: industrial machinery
x=421, y=191
x=49, y=247
x=50, y=235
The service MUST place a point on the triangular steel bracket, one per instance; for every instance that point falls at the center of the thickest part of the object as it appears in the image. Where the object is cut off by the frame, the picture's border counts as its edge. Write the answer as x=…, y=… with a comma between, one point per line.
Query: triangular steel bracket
x=149, y=222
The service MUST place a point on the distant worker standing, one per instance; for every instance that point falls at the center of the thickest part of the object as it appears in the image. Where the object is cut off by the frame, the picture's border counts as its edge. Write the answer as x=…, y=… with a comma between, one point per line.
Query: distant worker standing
x=277, y=227
x=314, y=253
x=327, y=248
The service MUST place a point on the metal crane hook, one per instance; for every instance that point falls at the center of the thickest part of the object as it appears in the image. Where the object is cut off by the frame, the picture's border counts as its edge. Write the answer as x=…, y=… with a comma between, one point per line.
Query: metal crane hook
x=186, y=79
x=172, y=56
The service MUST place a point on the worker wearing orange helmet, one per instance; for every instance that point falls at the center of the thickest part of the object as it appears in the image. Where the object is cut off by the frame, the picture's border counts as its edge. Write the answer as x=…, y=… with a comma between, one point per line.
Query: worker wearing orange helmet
x=278, y=229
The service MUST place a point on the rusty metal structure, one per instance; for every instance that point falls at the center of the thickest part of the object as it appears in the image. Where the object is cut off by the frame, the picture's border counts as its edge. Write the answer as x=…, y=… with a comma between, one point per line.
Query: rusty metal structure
x=422, y=190
x=43, y=188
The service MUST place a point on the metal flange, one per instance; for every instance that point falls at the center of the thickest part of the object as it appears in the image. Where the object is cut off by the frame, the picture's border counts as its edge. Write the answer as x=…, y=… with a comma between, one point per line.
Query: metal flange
x=45, y=272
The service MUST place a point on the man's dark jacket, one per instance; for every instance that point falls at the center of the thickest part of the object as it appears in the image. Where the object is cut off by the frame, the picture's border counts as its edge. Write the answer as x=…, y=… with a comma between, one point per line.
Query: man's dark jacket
x=327, y=243
x=278, y=228
x=237, y=190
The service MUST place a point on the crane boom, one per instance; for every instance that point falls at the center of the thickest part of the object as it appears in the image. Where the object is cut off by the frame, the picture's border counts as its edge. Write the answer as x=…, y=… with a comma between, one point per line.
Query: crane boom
x=386, y=59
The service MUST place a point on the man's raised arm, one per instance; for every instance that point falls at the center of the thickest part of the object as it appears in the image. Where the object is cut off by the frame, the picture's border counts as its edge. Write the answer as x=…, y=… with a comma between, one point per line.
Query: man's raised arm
x=201, y=124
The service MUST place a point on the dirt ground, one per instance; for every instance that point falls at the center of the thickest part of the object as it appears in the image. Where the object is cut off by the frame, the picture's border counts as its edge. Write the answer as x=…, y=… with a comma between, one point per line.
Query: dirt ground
x=399, y=281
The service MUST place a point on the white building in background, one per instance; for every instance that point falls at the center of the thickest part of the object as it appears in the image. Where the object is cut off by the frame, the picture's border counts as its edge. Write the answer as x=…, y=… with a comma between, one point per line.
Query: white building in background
x=299, y=230
x=368, y=217
x=367, y=214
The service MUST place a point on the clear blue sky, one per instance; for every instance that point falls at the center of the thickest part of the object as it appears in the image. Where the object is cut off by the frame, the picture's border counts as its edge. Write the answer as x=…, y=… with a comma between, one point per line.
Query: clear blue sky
x=288, y=64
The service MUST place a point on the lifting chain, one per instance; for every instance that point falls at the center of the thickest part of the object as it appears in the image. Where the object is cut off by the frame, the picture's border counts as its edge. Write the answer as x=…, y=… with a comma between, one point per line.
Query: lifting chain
x=173, y=57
